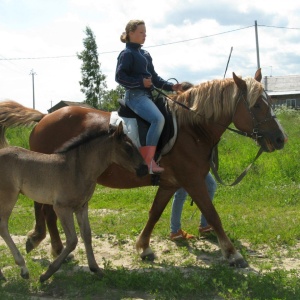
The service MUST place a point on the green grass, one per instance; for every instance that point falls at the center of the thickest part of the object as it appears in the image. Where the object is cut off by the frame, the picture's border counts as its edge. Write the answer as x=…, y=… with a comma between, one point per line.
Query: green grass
x=263, y=211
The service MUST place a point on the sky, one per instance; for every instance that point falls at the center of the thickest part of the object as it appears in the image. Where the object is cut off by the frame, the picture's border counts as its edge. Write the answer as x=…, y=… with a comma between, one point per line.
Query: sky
x=190, y=40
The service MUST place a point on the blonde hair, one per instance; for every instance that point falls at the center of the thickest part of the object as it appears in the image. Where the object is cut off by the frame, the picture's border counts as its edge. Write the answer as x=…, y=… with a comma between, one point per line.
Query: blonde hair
x=131, y=26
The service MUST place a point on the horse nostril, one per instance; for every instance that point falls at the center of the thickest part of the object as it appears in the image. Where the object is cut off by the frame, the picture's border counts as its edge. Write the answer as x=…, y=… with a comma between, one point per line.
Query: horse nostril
x=142, y=170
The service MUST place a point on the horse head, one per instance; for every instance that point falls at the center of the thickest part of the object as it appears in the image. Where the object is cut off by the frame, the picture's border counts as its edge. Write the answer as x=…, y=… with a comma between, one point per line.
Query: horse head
x=254, y=115
x=125, y=153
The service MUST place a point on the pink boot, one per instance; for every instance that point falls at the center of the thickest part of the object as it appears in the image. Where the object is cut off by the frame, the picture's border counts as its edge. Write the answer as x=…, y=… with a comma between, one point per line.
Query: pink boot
x=148, y=153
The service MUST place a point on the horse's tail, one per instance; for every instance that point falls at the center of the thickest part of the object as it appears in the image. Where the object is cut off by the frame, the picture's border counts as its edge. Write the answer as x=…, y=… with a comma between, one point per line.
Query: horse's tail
x=14, y=114
x=3, y=140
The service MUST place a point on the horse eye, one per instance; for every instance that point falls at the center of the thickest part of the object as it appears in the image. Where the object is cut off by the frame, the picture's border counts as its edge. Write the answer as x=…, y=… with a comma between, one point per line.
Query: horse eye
x=128, y=147
x=256, y=105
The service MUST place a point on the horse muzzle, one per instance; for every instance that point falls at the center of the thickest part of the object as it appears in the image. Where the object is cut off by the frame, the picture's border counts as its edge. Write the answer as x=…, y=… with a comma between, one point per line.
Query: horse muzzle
x=142, y=170
x=272, y=141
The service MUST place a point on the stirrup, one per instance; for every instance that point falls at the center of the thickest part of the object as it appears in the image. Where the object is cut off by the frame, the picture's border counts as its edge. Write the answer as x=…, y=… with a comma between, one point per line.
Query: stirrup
x=157, y=169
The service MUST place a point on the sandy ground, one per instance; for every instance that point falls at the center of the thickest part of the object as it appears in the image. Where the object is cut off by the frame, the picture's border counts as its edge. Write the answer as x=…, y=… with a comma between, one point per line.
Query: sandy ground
x=198, y=252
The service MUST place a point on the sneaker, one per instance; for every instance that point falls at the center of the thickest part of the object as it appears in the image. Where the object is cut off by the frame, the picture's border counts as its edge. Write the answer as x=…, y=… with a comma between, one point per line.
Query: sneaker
x=181, y=235
x=206, y=230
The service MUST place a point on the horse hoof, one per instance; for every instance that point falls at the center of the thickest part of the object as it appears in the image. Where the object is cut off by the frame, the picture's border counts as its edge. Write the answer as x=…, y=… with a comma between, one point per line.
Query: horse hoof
x=25, y=275
x=2, y=277
x=43, y=278
x=148, y=257
x=29, y=246
x=99, y=273
x=147, y=254
x=239, y=263
x=69, y=258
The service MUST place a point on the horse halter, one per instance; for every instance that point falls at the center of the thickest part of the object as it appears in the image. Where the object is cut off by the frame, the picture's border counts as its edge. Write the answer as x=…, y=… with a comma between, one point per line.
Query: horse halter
x=255, y=134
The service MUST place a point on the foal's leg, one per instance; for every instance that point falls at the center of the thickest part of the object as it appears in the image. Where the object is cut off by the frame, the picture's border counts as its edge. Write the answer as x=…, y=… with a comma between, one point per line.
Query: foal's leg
x=85, y=231
x=6, y=207
x=44, y=213
x=159, y=204
x=65, y=215
x=51, y=220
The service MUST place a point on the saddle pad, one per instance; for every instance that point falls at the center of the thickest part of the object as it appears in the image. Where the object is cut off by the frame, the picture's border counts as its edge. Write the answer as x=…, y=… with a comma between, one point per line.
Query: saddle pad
x=130, y=127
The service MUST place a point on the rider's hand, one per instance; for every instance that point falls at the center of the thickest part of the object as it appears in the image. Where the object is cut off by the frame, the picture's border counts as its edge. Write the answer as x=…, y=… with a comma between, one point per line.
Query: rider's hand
x=147, y=82
x=177, y=87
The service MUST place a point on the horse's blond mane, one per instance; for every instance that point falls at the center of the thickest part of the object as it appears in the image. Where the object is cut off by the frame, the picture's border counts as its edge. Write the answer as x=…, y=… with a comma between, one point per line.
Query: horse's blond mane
x=213, y=99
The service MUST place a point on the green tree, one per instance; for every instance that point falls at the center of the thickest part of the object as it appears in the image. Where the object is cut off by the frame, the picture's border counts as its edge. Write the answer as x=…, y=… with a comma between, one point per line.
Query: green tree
x=93, y=83
x=110, y=99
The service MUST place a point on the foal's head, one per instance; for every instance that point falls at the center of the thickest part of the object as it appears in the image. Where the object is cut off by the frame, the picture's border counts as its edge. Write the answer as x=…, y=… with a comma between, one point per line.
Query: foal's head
x=125, y=153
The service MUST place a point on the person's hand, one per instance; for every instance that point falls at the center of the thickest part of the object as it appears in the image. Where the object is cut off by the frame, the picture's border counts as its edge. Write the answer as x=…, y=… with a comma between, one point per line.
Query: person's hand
x=177, y=87
x=147, y=82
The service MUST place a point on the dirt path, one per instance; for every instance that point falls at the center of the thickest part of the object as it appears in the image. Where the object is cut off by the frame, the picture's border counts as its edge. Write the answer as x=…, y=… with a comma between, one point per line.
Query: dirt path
x=197, y=252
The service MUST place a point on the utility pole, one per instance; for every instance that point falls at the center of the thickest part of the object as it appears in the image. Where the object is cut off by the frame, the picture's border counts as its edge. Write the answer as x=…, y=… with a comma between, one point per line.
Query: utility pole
x=257, y=47
x=32, y=73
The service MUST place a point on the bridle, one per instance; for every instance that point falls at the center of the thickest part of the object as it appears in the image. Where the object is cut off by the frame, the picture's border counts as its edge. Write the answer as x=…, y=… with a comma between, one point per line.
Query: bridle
x=255, y=134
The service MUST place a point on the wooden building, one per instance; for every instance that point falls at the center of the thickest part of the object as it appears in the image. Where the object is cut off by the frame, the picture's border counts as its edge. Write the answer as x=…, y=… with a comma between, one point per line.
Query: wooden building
x=64, y=103
x=284, y=90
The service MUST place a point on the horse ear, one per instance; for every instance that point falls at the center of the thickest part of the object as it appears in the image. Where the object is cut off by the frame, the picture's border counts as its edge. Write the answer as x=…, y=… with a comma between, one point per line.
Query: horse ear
x=111, y=129
x=258, y=75
x=239, y=82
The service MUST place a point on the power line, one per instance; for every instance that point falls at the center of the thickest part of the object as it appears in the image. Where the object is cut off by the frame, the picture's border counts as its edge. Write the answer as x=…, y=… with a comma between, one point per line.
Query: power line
x=153, y=46
x=108, y=52
x=280, y=27
x=42, y=57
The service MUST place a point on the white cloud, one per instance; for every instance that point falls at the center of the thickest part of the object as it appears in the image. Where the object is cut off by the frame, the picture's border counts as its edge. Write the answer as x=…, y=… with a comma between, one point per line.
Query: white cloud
x=31, y=29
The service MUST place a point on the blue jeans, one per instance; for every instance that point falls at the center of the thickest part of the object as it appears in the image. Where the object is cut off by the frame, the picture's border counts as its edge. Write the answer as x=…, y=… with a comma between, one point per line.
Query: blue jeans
x=178, y=201
x=140, y=102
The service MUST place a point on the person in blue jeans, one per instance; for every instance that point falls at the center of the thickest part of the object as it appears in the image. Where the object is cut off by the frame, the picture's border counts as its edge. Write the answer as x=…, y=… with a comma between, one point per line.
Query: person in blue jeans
x=177, y=206
x=135, y=72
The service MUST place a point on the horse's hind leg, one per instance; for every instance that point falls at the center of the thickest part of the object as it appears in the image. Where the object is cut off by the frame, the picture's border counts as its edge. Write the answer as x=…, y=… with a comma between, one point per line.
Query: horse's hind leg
x=85, y=231
x=6, y=207
x=65, y=216
x=44, y=213
x=36, y=235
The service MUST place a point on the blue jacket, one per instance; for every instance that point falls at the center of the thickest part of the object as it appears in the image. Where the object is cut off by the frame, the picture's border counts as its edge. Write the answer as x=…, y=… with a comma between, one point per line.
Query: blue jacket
x=135, y=64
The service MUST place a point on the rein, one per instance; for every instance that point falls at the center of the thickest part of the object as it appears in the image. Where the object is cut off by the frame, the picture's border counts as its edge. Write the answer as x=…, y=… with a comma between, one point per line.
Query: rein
x=214, y=160
x=214, y=167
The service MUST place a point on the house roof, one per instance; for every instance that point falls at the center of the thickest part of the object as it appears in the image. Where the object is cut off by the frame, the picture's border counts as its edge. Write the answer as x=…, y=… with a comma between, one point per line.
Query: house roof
x=283, y=85
x=63, y=103
x=283, y=93
x=73, y=103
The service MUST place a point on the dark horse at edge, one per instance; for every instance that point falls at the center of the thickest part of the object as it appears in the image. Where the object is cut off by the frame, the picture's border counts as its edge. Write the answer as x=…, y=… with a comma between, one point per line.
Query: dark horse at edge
x=214, y=105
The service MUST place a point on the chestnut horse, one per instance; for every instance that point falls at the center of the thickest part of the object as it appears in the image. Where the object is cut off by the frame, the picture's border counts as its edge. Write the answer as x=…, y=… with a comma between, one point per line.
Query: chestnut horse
x=214, y=105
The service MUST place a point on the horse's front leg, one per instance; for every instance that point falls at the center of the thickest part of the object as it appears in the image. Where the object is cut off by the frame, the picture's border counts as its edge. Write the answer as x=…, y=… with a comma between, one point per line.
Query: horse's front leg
x=201, y=198
x=51, y=220
x=85, y=231
x=159, y=204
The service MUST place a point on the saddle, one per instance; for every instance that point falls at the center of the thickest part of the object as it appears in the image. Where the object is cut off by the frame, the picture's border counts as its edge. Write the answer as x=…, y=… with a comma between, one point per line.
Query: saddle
x=136, y=127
